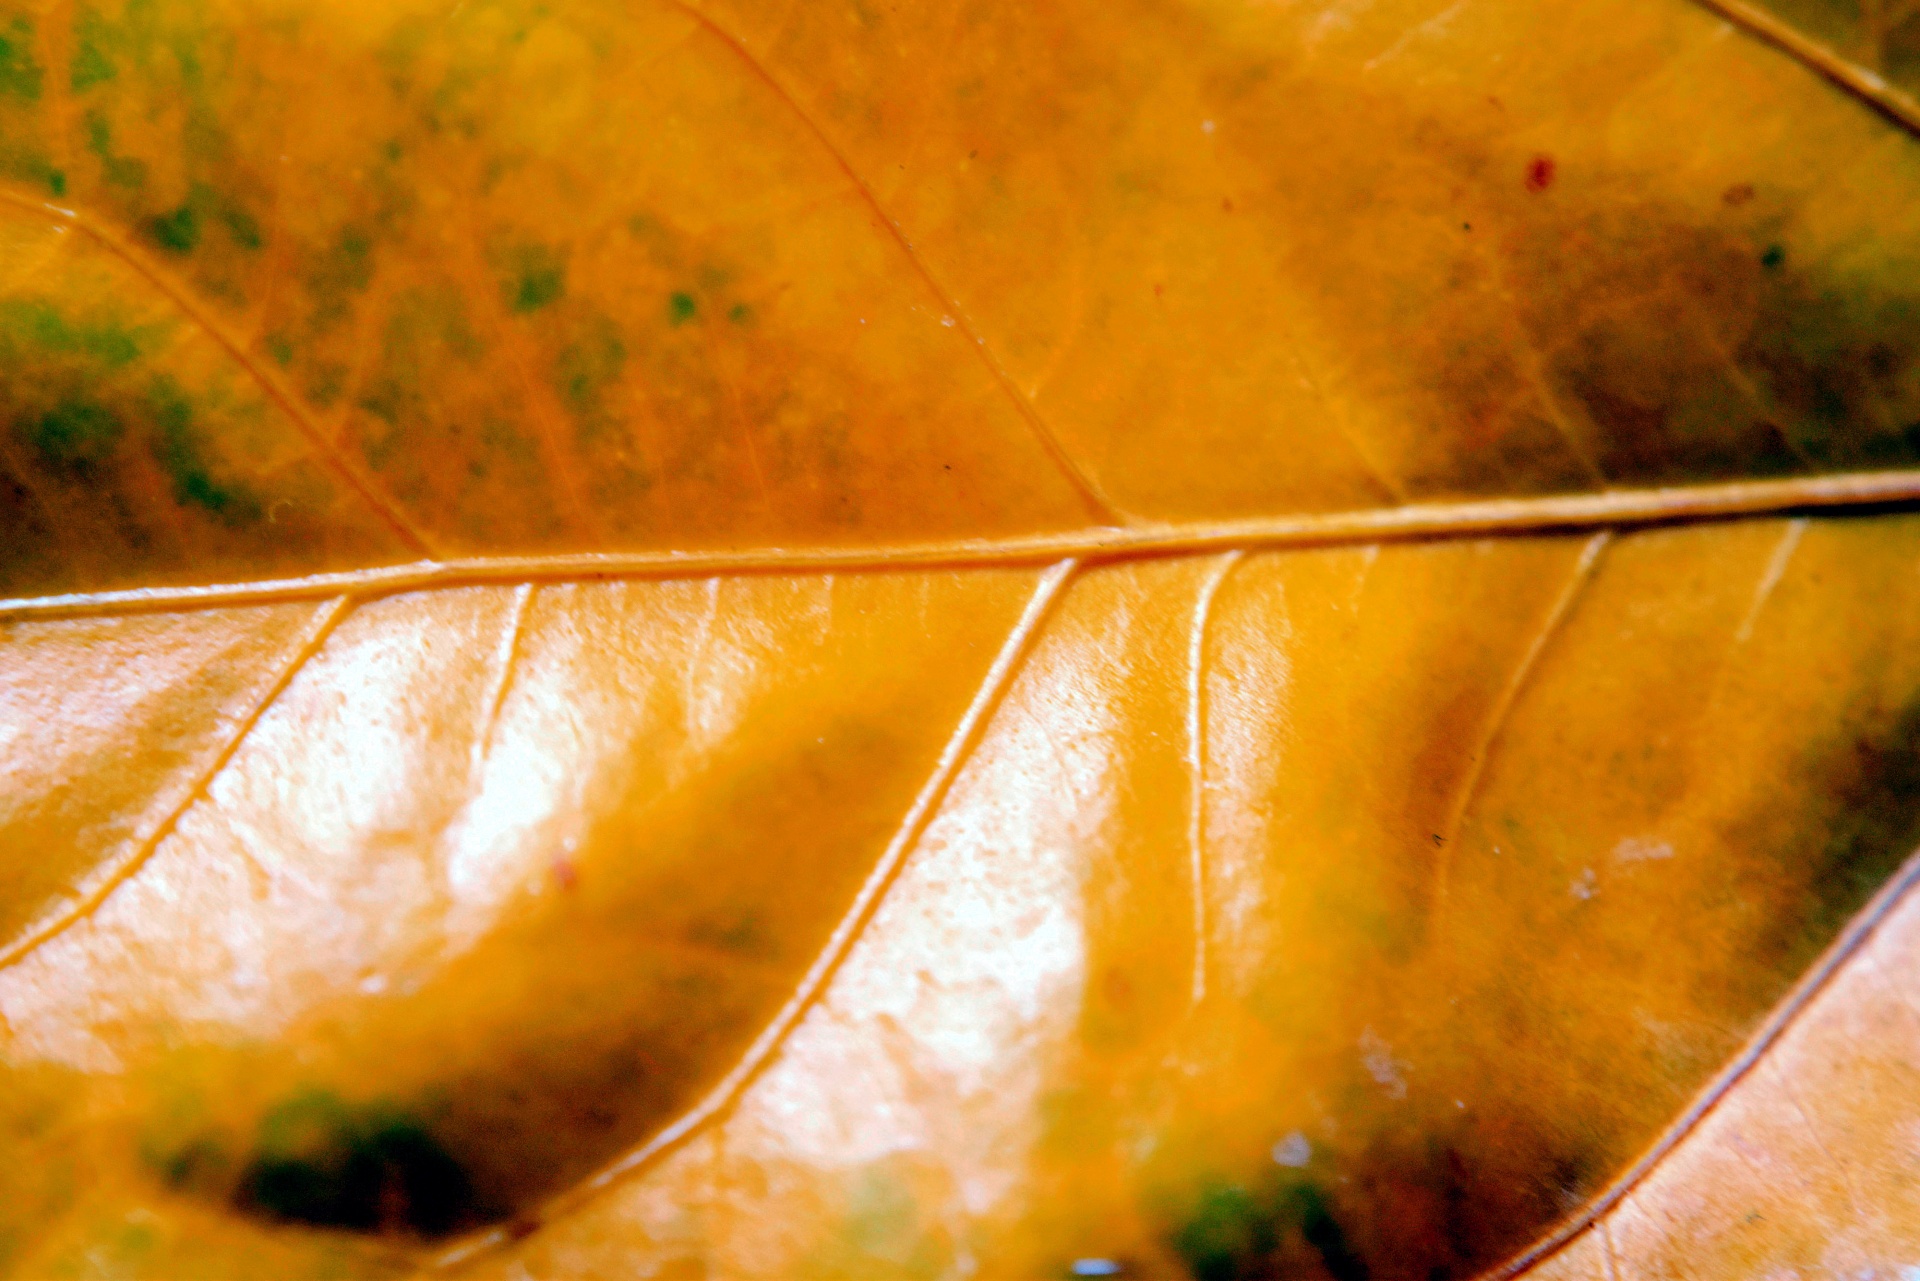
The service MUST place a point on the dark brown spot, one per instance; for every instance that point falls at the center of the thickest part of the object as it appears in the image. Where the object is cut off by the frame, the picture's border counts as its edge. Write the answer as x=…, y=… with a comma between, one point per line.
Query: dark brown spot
x=1738, y=194
x=377, y=1169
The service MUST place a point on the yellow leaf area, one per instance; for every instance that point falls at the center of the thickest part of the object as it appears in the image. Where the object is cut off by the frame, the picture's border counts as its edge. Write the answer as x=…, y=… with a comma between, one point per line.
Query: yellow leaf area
x=969, y=639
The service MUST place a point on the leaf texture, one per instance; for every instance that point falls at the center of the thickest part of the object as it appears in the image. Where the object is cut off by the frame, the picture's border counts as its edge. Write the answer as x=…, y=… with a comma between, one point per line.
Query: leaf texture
x=721, y=640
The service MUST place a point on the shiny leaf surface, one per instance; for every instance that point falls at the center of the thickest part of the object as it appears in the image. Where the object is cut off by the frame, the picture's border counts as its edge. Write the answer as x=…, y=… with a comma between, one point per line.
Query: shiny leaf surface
x=709, y=639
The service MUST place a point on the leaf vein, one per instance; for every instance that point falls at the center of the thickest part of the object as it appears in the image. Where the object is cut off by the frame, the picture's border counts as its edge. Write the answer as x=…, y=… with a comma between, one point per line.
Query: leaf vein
x=1197, y=763
x=508, y=658
x=322, y=626
x=325, y=449
x=1867, y=86
x=1496, y=722
x=1089, y=492
x=1786, y=1014
x=765, y=1049
x=1419, y=522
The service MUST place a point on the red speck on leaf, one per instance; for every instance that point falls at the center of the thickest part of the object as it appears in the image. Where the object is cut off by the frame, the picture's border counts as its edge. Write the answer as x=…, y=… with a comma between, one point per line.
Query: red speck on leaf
x=564, y=874
x=1540, y=173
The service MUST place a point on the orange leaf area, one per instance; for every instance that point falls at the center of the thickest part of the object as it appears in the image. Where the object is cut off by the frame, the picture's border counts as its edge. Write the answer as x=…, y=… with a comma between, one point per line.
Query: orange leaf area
x=1203, y=639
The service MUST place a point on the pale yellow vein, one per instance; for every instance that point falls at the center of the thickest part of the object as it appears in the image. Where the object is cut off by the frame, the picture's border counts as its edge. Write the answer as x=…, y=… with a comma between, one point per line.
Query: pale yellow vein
x=507, y=656
x=1415, y=522
x=1197, y=763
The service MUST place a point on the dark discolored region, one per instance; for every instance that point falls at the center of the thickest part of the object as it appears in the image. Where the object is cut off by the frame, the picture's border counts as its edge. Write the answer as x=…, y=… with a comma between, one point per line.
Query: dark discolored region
x=371, y=1168
x=1706, y=352
x=1870, y=825
x=118, y=469
x=536, y=277
x=75, y=435
x=80, y=411
x=1234, y=1233
x=177, y=448
x=1580, y=324
x=176, y=232
x=1878, y=36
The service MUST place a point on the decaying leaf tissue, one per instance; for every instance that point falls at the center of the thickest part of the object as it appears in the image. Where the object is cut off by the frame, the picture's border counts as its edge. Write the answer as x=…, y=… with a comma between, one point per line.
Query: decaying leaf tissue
x=1156, y=638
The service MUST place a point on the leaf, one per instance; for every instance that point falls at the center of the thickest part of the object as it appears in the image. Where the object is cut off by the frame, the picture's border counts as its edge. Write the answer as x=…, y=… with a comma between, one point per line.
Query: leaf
x=1794, y=1157
x=704, y=640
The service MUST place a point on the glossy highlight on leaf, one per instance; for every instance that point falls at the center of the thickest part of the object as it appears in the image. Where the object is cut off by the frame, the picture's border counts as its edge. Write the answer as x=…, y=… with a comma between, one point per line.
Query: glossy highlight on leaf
x=1206, y=639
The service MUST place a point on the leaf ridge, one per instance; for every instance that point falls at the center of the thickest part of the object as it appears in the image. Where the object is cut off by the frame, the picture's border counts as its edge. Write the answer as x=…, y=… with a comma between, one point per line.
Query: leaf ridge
x=1868, y=86
x=1089, y=492
x=508, y=657
x=327, y=451
x=322, y=626
x=759, y=1056
x=1415, y=522
x=1449, y=834
x=1776, y=569
x=1843, y=949
x=1197, y=762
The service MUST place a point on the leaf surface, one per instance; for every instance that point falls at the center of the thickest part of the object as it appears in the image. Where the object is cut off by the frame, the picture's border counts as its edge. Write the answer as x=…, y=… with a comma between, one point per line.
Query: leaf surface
x=724, y=640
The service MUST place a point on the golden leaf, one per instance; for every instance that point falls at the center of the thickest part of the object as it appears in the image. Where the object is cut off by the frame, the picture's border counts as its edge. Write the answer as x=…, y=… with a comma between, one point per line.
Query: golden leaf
x=1206, y=639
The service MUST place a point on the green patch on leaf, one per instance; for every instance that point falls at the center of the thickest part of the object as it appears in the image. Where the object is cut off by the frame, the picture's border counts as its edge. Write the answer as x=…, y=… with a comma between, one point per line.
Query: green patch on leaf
x=242, y=226
x=91, y=63
x=680, y=308
x=76, y=435
x=588, y=365
x=120, y=171
x=176, y=448
x=19, y=74
x=1232, y=1232
x=36, y=323
x=322, y=1161
x=177, y=232
x=536, y=278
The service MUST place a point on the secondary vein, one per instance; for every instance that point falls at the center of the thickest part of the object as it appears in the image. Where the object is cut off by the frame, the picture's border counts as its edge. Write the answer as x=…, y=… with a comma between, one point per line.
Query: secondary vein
x=760, y=1055
x=325, y=620
x=1857, y=80
x=327, y=451
x=1089, y=493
